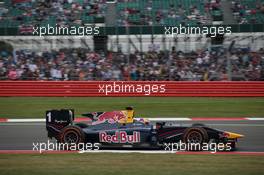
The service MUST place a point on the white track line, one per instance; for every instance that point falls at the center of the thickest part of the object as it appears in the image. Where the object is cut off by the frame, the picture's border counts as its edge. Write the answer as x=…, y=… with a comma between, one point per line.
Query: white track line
x=23, y=124
x=169, y=119
x=25, y=120
x=174, y=152
x=128, y=151
x=234, y=124
x=258, y=119
x=32, y=120
x=207, y=124
x=43, y=120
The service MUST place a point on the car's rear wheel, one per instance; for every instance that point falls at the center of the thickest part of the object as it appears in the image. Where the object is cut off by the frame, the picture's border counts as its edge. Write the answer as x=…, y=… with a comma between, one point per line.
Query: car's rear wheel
x=194, y=138
x=72, y=135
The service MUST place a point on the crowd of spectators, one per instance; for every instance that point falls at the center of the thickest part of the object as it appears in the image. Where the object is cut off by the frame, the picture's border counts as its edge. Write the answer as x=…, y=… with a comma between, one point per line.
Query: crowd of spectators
x=150, y=14
x=75, y=12
x=130, y=12
x=82, y=64
x=60, y=12
x=248, y=12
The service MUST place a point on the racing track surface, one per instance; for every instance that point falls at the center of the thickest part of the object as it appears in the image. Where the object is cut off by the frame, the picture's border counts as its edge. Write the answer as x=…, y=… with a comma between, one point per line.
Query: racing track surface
x=20, y=136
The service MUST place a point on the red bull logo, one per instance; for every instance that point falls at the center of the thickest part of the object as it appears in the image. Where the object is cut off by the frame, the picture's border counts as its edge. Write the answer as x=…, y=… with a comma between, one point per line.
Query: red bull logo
x=110, y=117
x=120, y=137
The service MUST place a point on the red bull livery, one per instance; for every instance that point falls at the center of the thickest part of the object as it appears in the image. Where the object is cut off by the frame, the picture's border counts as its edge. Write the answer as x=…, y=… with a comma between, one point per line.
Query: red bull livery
x=120, y=129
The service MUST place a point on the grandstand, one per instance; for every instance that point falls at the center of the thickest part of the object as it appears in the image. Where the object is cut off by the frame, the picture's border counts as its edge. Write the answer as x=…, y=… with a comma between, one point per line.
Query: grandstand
x=137, y=56
x=16, y=13
x=134, y=12
x=248, y=11
x=169, y=13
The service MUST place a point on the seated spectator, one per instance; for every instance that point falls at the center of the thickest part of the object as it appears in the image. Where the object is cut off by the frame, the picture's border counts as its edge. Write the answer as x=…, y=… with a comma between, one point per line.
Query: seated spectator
x=83, y=64
x=12, y=74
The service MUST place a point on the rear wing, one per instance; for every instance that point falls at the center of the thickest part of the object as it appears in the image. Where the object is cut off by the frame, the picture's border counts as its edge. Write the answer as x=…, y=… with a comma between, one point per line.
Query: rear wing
x=56, y=120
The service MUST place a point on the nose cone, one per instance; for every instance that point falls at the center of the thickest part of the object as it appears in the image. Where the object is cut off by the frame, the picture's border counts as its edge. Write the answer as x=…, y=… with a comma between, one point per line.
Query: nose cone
x=232, y=135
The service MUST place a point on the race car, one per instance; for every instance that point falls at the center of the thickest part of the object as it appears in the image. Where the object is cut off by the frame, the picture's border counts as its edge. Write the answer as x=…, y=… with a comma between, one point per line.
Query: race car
x=117, y=129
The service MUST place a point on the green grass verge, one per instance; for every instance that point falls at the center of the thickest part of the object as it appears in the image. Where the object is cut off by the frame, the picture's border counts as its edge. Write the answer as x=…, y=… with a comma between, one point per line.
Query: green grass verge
x=134, y=164
x=33, y=107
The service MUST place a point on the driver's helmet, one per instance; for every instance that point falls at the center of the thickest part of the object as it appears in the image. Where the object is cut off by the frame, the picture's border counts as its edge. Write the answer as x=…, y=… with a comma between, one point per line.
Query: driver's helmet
x=143, y=120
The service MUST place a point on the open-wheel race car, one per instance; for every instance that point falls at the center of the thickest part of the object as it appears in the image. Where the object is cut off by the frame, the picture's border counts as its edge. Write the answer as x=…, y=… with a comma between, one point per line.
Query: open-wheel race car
x=121, y=129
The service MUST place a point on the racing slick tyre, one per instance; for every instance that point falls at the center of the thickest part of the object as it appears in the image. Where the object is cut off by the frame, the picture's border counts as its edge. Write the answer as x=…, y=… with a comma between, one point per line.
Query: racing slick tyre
x=72, y=135
x=194, y=138
x=198, y=125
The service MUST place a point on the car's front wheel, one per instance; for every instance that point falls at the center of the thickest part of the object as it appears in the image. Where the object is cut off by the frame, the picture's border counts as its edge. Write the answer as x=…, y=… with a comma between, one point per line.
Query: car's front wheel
x=194, y=138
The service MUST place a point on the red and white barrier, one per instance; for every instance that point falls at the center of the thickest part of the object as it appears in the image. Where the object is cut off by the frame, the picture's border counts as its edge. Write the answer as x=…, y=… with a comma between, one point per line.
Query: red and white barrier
x=131, y=88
